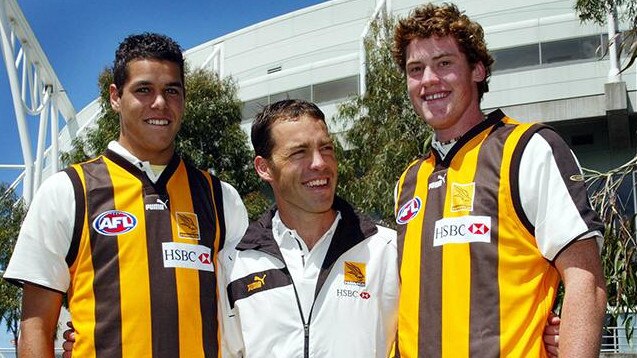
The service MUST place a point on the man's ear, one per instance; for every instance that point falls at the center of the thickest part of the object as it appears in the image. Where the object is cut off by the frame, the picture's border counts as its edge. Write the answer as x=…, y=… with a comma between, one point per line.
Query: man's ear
x=479, y=72
x=262, y=167
x=114, y=97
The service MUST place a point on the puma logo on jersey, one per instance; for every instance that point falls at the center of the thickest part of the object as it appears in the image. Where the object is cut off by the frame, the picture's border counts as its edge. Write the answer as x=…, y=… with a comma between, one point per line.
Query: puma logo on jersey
x=159, y=205
x=438, y=183
x=258, y=283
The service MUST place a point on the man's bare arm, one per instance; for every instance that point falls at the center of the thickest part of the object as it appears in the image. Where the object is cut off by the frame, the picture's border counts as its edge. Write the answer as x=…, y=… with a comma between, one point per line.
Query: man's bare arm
x=584, y=299
x=40, y=312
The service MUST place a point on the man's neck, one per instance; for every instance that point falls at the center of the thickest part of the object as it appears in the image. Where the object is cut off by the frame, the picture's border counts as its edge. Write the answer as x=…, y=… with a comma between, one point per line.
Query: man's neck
x=470, y=119
x=309, y=226
x=153, y=158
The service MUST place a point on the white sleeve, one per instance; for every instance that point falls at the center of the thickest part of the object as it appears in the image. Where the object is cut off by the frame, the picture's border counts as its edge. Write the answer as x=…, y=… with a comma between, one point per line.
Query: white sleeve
x=235, y=213
x=232, y=345
x=391, y=288
x=553, y=196
x=45, y=237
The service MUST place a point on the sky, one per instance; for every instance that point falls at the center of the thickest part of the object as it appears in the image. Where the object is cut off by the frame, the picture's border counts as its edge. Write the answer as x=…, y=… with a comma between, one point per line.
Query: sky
x=79, y=37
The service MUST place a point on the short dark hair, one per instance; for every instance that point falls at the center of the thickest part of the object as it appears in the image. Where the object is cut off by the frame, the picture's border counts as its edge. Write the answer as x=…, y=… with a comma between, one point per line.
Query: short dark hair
x=288, y=109
x=146, y=45
x=444, y=20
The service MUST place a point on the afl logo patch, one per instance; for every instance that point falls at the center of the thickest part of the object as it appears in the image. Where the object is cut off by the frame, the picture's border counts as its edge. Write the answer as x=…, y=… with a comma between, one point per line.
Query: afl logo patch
x=408, y=211
x=114, y=222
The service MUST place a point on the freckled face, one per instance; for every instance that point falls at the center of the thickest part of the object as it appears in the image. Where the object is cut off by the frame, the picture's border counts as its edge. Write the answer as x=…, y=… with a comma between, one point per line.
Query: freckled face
x=151, y=107
x=442, y=85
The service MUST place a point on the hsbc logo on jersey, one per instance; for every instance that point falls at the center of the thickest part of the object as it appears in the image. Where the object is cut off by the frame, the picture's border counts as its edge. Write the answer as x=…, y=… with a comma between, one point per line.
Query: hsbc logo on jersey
x=461, y=230
x=408, y=211
x=188, y=256
x=345, y=293
x=114, y=222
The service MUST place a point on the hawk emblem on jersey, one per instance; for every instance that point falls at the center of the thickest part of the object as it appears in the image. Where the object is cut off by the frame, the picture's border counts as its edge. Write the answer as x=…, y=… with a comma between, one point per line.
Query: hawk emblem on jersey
x=258, y=283
x=408, y=211
x=462, y=196
x=114, y=222
x=354, y=273
x=187, y=225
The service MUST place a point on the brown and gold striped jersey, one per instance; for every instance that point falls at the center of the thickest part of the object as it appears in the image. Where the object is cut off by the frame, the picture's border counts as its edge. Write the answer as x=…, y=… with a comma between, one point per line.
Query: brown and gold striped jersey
x=473, y=281
x=142, y=260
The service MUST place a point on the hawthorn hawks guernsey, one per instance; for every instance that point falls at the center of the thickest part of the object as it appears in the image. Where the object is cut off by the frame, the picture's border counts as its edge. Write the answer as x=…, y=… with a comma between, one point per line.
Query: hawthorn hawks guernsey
x=473, y=281
x=142, y=260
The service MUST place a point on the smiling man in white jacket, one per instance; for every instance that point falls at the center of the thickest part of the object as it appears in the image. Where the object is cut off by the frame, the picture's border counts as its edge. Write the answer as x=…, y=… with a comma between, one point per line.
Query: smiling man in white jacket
x=312, y=277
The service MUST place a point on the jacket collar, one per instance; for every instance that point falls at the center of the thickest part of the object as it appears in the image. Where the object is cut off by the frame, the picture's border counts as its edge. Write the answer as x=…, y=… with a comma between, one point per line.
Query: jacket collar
x=351, y=230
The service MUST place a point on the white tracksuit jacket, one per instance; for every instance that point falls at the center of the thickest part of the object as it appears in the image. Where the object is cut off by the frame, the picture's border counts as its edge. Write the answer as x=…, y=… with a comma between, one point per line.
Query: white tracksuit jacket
x=355, y=304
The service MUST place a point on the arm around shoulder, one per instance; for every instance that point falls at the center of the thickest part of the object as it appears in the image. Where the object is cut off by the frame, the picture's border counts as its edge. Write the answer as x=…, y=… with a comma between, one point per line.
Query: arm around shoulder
x=40, y=312
x=584, y=299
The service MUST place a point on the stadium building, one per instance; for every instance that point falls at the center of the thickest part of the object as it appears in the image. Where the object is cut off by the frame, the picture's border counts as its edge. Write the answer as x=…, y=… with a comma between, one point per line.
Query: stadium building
x=547, y=68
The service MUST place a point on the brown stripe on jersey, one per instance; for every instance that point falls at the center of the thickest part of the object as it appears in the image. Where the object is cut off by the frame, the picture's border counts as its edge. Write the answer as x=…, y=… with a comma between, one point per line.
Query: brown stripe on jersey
x=430, y=320
x=484, y=326
x=202, y=204
x=104, y=252
x=407, y=191
x=162, y=281
x=80, y=212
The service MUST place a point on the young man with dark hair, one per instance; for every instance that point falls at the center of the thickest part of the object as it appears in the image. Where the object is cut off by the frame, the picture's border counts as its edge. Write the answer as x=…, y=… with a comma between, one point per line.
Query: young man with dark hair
x=492, y=217
x=132, y=236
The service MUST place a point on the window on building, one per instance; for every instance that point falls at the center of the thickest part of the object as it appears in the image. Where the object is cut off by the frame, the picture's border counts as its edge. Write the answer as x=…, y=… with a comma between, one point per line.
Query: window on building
x=304, y=93
x=321, y=93
x=516, y=57
x=336, y=90
x=580, y=48
x=576, y=49
x=252, y=107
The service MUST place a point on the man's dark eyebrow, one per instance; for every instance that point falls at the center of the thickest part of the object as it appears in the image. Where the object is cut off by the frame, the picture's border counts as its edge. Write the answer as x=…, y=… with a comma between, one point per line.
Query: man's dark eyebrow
x=146, y=83
x=175, y=84
x=444, y=54
x=435, y=58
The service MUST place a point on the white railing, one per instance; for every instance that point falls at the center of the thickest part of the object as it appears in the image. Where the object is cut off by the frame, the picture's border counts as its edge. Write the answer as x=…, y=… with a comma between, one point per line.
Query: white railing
x=614, y=341
x=37, y=95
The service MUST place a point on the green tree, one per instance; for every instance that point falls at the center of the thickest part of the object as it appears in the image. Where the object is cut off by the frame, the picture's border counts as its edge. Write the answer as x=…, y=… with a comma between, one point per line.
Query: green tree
x=12, y=213
x=597, y=11
x=619, y=254
x=210, y=136
x=385, y=133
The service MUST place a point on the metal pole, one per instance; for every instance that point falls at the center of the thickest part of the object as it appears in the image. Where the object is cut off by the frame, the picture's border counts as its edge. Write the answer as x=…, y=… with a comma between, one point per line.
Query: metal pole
x=39, y=157
x=613, y=73
x=54, y=153
x=7, y=52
